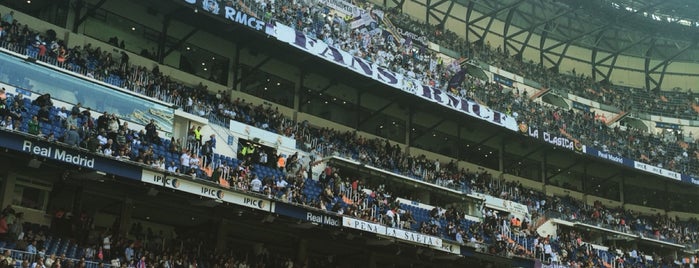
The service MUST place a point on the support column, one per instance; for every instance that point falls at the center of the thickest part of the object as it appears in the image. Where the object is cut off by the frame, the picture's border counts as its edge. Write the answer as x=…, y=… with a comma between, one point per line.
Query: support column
x=371, y=260
x=77, y=199
x=234, y=69
x=7, y=189
x=302, y=251
x=163, y=39
x=222, y=234
x=621, y=190
x=501, y=155
x=544, y=174
x=125, y=216
x=409, y=127
x=298, y=90
x=75, y=15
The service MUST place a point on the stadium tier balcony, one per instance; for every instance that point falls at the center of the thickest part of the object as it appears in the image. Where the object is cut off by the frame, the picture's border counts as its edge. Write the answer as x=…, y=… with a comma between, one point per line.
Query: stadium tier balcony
x=311, y=191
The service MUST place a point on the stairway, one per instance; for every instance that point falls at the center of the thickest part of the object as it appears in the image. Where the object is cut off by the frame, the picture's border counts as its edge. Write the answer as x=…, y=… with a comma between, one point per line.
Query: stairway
x=540, y=93
x=617, y=118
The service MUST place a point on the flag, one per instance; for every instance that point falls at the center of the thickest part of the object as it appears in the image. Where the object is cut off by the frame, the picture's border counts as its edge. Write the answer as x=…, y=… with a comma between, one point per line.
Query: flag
x=457, y=79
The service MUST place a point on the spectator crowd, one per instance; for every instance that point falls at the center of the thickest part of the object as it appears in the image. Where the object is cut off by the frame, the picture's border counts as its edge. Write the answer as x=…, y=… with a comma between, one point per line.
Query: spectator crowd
x=107, y=135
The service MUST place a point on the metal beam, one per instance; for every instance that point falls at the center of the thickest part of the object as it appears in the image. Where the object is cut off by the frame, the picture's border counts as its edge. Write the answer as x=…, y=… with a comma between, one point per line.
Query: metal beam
x=563, y=170
x=467, y=24
x=531, y=28
x=163, y=39
x=443, y=22
x=383, y=108
x=506, y=29
x=180, y=43
x=618, y=20
x=646, y=63
x=563, y=53
x=593, y=58
x=487, y=139
x=253, y=69
x=435, y=125
x=667, y=62
x=494, y=12
x=542, y=42
x=527, y=155
x=84, y=17
x=627, y=47
x=673, y=56
x=398, y=4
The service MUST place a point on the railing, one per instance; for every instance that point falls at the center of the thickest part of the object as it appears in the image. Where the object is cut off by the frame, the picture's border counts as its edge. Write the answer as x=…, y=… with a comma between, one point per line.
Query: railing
x=20, y=256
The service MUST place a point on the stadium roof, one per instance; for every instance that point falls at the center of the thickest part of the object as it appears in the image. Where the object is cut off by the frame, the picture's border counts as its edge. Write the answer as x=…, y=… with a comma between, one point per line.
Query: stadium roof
x=659, y=31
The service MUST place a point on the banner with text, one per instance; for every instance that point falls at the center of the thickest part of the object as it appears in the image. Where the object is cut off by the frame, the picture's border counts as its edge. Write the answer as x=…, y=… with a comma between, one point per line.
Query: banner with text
x=229, y=13
x=344, y=7
x=71, y=155
x=267, y=138
x=400, y=234
x=505, y=205
x=300, y=213
x=556, y=139
x=409, y=85
x=174, y=182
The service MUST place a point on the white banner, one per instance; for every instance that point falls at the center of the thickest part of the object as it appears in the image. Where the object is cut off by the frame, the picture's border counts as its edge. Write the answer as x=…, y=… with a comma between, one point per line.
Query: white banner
x=451, y=247
x=658, y=171
x=409, y=85
x=343, y=7
x=404, y=235
x=364, y=225
x=515, y=208
x=209, y=191
x=414, y=237
x=267, y=138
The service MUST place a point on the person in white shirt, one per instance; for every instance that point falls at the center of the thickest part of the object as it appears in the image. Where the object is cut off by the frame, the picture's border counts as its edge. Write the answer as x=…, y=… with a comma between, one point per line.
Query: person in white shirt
x=263, y=157
x=172, y=168
x=256, y=185
x=184, y=161
x=282, y=184
x=547, y=251
x=194, y=161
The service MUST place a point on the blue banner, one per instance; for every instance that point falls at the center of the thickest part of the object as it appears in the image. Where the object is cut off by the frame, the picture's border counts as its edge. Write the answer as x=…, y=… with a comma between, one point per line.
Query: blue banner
x=668, y=125
x=614, y=158
x=307, y=215
x=503, y=80
x=581, y=106
x=63, y=153
x=241, y=14
x=690, y=179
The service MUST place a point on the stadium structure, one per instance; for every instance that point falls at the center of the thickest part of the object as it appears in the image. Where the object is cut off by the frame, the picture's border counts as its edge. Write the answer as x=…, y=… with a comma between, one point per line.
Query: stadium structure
x=417, y=133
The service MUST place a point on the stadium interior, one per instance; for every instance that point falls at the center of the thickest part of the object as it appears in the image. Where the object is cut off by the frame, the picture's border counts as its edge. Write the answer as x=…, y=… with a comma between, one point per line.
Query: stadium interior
x=334, y=133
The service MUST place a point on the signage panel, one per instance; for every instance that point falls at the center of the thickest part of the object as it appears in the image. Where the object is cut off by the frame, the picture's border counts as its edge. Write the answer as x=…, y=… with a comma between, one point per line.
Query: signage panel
x=205, y=190
x=307, y=215
x=66, y=154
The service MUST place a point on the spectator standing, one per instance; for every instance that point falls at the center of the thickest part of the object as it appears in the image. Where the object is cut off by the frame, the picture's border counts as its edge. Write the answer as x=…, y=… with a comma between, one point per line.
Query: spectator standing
x=151, y=131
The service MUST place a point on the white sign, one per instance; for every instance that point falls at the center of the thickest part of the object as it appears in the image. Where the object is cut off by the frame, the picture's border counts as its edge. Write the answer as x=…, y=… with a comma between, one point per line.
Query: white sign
x=396, y=80
x=515, y=208
x=404, y=235
x=450, y=247
x=414, y=237
x=59, y=154
x=658, y=171
x=208, y=191
x=364, y=225
x=343, y=7
x=267, y=138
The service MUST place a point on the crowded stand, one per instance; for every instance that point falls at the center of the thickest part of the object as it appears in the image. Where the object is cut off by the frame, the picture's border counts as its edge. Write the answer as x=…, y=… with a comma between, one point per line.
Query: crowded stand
x=70, y=242
x=289, y=182
x=668, y=150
